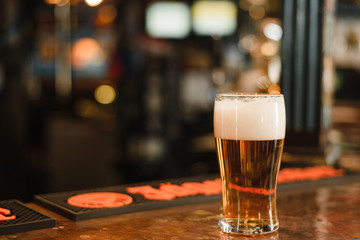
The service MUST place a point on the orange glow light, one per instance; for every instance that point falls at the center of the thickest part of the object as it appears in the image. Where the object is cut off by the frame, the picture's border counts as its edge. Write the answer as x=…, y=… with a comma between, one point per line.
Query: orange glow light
x=86, y=51
x=52, y=2
x=274, y=89
x=269, y=49
x=106, y=14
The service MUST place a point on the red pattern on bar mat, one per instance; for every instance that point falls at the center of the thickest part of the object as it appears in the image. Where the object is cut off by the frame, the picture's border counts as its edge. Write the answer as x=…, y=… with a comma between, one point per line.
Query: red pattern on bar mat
x=27, y=219
x=58, y=202
x=203, y=189
x=5, y=215
x=287, y=175
x=100, y=200
x=4, y=211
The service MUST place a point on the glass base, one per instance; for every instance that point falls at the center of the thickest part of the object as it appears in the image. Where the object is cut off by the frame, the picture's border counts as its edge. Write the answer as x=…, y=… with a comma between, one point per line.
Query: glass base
x=247, y=226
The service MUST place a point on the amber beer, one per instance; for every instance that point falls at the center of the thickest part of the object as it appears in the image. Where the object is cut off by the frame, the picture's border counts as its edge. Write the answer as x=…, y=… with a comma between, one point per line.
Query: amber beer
x=249, y=133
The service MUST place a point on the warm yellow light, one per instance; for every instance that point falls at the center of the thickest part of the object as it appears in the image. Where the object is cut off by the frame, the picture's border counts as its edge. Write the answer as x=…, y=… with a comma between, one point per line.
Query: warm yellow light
x=257, y=12
x=269, y=49
x=93, y=3
x=217, y=18
x=105, y=94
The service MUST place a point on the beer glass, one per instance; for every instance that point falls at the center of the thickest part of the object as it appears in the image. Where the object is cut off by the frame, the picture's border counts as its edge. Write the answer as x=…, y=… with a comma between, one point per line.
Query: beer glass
x=249, y=132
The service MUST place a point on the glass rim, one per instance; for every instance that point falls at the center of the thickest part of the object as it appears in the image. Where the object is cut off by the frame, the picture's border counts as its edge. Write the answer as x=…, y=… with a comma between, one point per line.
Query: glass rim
x=249, y=95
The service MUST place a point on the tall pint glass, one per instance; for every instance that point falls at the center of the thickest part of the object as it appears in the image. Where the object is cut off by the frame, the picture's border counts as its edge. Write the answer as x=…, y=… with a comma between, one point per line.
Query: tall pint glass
x=249, y=133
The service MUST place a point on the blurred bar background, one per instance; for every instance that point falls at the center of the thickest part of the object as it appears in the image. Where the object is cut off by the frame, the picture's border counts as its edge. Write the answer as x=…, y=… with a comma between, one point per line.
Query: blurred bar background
x=103, y=92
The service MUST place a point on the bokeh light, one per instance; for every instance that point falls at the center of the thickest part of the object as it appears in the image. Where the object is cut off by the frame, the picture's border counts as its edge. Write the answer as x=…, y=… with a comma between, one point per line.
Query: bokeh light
x=168, y=20
x=52, y=2
x=87, y=52
x=257, y=12
x=106, y=14
x=274, y=69
x=274, y=89
x=273, y=31
x=93, y=3
x=248, y=42
x=215, y=18
x=105, y=94
x=263, y=82
x=269, y=48
x=59, y=3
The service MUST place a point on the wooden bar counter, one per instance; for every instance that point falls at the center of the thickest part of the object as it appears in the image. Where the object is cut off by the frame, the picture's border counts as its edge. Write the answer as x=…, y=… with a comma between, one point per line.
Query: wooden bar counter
x=327, y=209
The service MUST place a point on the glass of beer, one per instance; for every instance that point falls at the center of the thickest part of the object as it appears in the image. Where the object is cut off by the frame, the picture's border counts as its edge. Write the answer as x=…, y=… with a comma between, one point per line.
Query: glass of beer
x=249, y=132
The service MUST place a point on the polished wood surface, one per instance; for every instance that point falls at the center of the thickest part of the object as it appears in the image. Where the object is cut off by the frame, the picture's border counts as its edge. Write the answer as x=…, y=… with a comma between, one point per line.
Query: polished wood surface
x=326, y=210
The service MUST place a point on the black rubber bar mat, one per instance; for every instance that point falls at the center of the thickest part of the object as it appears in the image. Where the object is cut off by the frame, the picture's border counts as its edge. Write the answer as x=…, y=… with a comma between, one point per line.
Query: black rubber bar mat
x=16, y=217
x=182, y=191
x=114, y=200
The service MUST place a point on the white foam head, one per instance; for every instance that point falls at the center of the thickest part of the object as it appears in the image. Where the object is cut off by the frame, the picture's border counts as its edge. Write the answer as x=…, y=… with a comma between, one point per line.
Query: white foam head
x=249, y=117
